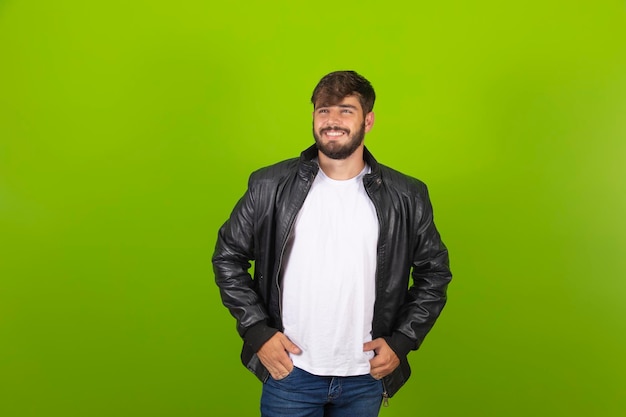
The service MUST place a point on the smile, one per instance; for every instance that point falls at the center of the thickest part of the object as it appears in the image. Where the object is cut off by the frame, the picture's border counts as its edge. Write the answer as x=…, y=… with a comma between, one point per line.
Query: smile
x=334, y=133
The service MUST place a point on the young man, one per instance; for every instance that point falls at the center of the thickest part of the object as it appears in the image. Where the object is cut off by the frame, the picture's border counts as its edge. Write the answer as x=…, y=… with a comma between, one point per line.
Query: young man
x=350, y=272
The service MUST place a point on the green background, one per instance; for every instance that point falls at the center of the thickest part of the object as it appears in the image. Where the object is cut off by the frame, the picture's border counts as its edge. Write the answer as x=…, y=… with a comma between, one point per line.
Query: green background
x=128, y=130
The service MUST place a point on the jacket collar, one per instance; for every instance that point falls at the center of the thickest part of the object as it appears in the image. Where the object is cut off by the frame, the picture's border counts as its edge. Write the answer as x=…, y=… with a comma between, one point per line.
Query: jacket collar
x=308, y=164
x=307, y=167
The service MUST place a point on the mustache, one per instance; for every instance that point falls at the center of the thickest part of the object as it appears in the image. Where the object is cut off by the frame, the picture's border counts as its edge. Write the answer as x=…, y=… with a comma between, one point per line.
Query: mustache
x=342, y=129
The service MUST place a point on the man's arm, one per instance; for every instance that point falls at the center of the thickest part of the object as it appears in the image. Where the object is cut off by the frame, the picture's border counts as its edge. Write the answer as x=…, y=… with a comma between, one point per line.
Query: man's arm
x=231, y=263
x=427, y=295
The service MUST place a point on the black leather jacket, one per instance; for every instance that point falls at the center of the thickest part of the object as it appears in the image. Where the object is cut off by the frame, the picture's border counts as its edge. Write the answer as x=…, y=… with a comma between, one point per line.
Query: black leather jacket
x=408, y=246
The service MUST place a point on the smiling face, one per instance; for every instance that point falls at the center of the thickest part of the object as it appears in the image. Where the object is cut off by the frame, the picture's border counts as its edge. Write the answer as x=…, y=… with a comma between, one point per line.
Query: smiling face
x=339, y=128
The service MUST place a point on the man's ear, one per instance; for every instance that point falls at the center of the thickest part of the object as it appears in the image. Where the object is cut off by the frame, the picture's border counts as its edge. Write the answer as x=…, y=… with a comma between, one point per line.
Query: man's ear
x=369, y=121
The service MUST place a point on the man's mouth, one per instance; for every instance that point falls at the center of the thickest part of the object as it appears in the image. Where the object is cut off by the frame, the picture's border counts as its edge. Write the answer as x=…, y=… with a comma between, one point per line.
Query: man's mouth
x=334, y=132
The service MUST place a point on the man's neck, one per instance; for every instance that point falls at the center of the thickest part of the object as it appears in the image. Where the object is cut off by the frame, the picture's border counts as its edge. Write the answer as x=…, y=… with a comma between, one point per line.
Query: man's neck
x=342, y=169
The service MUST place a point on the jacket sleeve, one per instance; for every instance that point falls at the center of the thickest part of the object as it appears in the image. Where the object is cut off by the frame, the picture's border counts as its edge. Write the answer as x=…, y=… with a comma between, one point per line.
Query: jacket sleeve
x=232, y=258
x=430, y=274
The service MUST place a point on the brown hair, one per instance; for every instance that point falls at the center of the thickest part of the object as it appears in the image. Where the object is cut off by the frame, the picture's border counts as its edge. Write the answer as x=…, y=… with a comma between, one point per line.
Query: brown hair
x=336, y=86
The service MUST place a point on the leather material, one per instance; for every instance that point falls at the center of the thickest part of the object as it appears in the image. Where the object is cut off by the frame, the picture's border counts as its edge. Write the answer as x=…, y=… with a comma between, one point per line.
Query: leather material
x=412, y=271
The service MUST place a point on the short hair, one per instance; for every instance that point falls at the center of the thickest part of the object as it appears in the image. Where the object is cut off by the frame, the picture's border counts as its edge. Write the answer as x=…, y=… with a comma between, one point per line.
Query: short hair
x=337, y=85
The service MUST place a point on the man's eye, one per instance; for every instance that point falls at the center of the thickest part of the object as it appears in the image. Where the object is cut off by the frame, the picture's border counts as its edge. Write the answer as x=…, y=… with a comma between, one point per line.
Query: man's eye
x=347, y=111
x=322, y=111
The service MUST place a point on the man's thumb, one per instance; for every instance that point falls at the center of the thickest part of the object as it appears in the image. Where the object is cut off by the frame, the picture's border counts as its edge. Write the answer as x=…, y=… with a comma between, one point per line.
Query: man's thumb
x=371, y=345
x=291, y=347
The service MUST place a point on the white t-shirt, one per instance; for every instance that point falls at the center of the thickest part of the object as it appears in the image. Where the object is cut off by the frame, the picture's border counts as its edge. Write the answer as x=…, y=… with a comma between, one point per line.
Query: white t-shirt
x=329, y=278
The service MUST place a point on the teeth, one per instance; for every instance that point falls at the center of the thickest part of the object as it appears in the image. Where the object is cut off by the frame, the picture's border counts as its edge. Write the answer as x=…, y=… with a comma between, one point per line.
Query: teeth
x=333, y=133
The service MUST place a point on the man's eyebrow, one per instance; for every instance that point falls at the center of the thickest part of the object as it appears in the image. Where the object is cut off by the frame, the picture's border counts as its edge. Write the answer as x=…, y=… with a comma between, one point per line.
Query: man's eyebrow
x=347, y=106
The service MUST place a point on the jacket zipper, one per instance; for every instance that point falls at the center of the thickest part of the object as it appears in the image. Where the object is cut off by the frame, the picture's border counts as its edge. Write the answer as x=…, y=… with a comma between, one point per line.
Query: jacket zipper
x=385, y=395
x=380, y=234
x=381, y=227
x=282, y=252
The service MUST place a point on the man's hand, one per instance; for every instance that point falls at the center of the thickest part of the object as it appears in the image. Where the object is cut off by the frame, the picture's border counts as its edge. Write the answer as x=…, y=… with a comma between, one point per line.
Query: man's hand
x=385, y=359
x=273, y=354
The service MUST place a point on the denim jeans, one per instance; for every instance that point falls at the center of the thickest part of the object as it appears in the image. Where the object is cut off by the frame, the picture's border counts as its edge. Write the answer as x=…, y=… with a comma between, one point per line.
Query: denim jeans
x=302, y=394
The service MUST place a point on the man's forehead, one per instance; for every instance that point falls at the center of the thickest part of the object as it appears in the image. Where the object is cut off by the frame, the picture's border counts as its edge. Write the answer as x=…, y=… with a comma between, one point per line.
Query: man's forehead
x=348, y=101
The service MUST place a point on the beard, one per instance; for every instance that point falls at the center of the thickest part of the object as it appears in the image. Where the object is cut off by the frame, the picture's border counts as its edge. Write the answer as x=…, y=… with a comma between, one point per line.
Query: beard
x=334, y=150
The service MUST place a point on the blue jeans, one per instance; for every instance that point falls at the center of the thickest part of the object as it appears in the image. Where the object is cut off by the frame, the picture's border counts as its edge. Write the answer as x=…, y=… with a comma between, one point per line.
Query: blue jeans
x=302, y=394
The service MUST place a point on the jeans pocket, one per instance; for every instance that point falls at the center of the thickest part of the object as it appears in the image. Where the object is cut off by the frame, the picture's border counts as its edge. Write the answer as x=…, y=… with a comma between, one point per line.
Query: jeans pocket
x=286, y=376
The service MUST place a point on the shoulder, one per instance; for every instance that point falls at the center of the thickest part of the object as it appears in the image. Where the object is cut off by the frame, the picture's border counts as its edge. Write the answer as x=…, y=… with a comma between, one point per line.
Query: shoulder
x=402, y=183
x=274, y=173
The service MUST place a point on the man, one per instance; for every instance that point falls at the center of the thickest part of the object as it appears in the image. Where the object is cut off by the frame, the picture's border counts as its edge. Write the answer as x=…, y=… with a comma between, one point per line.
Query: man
x=330, y=315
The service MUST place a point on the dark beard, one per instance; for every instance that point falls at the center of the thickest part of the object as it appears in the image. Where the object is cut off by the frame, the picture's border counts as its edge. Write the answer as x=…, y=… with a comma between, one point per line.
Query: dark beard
x=336, y=151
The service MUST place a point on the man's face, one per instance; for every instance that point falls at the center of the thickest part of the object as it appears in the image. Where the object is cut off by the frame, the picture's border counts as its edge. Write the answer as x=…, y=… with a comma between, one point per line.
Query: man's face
x=339, y=129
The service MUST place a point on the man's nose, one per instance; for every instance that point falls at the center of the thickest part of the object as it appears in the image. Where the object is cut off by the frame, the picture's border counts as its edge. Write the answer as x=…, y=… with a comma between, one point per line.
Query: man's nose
x=333, y=117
